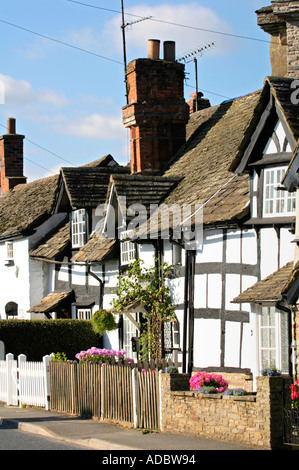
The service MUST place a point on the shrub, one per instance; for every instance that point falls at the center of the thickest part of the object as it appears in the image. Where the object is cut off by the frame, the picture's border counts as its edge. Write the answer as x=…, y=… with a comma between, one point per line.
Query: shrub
x=235, y=392
x=58, y=357
x=171, y=370
x=270, y=372
x=207, y=390
x=37, y=338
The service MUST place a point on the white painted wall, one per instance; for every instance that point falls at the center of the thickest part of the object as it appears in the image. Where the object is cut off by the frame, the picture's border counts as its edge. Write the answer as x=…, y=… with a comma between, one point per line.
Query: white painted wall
x=146, y=253
x=212, y=248
x=207, y=343
x=269, y=252
x=14, y=280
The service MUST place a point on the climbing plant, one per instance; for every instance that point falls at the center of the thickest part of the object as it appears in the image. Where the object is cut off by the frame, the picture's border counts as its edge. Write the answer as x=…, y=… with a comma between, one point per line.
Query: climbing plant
x=147, y=286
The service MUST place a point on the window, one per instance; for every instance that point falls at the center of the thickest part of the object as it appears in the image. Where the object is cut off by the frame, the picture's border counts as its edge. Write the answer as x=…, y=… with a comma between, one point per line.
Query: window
x=78, y=227
x=84, y=314
x=176, y=254
x=129, y=331
x=127, y=248
x=273, y=334
x=9, y=250
x=277, y=201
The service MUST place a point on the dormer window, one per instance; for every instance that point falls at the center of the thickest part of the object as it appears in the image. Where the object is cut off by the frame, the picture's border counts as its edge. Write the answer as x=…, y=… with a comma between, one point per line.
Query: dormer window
x=78, y=228
x=277, y=201
x=127, y=247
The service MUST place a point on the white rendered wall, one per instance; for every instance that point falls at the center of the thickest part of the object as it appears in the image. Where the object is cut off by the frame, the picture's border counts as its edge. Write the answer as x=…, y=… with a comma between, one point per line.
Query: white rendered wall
x=14, y=280
x=207, y=343
x=212, y=249
x=147, y=253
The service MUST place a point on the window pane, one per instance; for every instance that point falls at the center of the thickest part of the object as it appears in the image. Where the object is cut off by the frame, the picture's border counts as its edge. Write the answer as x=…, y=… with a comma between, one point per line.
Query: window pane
x=78, y=228
x=276, y=201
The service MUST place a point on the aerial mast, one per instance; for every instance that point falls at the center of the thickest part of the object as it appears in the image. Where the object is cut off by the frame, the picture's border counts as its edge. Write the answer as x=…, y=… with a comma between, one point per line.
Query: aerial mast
x=194, y=55
x=123, y=28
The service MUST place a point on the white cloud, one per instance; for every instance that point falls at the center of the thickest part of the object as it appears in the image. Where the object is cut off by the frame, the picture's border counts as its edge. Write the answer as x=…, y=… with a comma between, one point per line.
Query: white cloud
x=95, y=126
x=85, y=38
x=189, y=14
x=21, y=93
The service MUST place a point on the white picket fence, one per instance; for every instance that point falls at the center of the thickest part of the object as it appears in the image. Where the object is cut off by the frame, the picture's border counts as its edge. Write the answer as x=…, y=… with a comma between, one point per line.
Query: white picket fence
x=25, y=383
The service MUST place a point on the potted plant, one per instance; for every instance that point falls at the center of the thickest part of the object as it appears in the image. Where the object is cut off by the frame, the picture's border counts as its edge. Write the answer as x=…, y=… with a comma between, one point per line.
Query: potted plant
x=103, y=321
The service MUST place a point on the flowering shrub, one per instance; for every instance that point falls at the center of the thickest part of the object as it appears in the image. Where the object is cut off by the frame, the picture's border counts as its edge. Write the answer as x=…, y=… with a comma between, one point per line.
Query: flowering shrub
x=171, y=370
x=210, y=380
x=270, y=372
x=295, y=394
x=102, y=355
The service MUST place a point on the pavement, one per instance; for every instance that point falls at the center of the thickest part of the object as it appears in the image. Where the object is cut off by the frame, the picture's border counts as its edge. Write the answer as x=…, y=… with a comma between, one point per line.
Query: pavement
x=105, y=436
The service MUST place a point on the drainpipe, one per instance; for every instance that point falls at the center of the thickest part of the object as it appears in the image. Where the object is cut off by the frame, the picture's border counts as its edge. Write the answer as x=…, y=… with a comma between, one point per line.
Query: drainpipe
x=287, y=309
x=188, y=327
x=186, y=303
x=101, y=296
x=191, y=311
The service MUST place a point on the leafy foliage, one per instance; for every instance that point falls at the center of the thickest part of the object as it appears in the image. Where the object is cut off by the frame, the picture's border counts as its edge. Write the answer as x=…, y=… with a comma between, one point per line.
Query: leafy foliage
x=147, y=286
x=37, y=338
x=103, y=321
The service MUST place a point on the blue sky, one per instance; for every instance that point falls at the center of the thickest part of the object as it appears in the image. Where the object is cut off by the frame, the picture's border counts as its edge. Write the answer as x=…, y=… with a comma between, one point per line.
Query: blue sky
x=68, y=102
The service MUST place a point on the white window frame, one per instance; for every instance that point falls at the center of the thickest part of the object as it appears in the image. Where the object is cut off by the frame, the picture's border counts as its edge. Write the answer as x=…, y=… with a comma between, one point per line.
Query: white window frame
x=277, y=202
x=78, y=228
x=271, y=340
x=83, y=314
x=9, y=251
x=130, y=331
x=127, y=248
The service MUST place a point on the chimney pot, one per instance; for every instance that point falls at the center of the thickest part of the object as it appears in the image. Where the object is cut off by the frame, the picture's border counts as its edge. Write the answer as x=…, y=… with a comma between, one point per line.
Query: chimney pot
x=169, y=51
x=154, y=49
x=11, y=125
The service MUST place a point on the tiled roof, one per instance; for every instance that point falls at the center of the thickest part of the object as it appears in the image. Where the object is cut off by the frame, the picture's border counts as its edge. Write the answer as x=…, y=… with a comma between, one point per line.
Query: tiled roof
x=204, y=162
x=26, y=206
x=54, y=244
x=141, y=189
x=87, y=186
x=269, y=289
x=50, y=302
x=96, y=249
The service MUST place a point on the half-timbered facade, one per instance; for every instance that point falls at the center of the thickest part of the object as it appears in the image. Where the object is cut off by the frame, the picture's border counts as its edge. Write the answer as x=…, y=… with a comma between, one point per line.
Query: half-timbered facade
x=226, y=163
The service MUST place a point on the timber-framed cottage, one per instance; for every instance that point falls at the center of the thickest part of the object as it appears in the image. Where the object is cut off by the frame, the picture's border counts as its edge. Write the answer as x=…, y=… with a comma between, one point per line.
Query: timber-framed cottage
x=233, y=163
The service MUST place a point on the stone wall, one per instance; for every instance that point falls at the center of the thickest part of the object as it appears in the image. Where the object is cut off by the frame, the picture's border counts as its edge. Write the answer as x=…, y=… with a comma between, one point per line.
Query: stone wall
x=255, y=420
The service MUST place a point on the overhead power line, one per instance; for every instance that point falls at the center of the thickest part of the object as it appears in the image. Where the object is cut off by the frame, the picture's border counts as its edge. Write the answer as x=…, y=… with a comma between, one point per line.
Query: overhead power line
x=157, y=20
x=46, y=150
x=60, y=42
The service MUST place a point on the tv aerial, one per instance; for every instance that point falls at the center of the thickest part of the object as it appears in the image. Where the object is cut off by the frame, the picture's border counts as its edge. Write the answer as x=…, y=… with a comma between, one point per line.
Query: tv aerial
x=194, y=55
x=124, y=25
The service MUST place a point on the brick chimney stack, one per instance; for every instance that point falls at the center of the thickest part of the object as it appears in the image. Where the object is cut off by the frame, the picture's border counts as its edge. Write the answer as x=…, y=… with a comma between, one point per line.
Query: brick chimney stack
x=281, y=21
x=11, y=158
x=156, y=113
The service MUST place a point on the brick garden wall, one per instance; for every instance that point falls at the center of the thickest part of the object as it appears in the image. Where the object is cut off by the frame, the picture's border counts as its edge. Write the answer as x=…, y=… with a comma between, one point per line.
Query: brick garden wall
x=255, y=420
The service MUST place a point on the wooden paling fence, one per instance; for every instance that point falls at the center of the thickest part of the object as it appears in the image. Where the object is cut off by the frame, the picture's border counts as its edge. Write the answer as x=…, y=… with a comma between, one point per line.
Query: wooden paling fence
x=119, y=392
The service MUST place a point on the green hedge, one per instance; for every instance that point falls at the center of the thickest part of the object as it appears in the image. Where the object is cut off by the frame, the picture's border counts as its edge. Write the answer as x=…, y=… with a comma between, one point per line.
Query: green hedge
x=37, y=338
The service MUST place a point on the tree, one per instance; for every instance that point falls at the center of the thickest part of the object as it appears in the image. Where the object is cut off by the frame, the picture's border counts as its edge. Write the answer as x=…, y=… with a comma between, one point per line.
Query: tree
x=146, y=285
